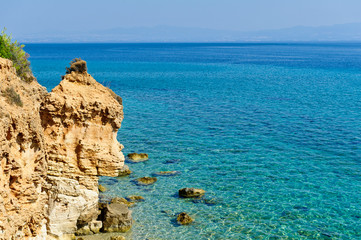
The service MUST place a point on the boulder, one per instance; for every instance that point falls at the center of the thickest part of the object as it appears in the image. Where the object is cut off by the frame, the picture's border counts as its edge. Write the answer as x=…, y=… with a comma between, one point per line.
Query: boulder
x=184, y=219
x=95, y=226
x=191, y=192
x=90, y=228
x=137, y=157
x=117, y=218
x=146, y=180
x=85, y=230
x=124, y=171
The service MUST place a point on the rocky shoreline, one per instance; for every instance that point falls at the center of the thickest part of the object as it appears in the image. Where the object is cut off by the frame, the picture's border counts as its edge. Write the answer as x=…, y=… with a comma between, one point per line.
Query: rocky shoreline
x=54, y=146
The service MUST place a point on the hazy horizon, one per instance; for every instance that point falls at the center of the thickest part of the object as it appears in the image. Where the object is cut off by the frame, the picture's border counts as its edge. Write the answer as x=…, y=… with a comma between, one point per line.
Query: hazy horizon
x=227, y=20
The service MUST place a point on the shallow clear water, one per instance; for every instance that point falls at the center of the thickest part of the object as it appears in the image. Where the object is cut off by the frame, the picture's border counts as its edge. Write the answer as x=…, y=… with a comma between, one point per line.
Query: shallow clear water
x=272, y=132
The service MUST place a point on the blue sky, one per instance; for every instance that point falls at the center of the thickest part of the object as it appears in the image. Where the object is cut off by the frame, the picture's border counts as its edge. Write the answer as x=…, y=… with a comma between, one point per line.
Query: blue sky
x=24, y=16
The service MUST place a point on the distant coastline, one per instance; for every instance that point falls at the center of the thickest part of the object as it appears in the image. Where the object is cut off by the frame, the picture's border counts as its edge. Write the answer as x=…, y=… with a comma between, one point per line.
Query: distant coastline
x=350, y=32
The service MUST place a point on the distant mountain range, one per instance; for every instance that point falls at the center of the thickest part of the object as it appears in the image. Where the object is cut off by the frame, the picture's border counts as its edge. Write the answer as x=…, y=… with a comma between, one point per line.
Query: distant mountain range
x=340, y=32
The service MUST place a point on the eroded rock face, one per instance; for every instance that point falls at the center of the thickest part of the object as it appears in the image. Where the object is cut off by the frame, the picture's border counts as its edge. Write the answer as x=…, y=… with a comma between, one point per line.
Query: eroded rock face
x=53, y=147
x=80, y=118
x=23, y=165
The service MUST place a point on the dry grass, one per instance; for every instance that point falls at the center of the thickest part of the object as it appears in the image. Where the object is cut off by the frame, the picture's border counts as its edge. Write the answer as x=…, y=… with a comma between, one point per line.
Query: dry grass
x=12, y=97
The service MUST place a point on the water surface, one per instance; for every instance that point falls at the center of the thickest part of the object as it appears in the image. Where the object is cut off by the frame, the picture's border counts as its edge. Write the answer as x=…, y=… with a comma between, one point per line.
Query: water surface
x=272, y=132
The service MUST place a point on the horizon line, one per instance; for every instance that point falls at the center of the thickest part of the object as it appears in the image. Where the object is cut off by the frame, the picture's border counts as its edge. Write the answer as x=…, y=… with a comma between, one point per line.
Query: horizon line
x=204, y=42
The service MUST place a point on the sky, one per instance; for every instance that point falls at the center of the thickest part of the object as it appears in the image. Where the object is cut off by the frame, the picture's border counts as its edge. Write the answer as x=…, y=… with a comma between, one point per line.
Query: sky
x=36, y=16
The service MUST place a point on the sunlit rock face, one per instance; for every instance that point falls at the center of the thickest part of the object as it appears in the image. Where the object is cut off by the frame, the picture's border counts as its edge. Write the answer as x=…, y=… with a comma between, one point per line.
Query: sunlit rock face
x=80, y=118
x=23, y=165
x=53, y=147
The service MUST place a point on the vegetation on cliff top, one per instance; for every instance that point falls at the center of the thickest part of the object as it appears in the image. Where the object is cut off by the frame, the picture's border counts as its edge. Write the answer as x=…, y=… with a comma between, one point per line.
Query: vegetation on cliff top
x=14, y=52
x=77, y=65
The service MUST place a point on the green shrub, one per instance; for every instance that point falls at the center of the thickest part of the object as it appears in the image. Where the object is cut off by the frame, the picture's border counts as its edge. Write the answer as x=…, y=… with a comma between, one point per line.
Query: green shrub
x=14, y=51
x=12, y=97
x=77, y=65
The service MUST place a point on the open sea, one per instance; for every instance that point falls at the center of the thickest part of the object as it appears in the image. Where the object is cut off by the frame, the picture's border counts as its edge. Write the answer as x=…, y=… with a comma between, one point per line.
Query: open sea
x=272, y=132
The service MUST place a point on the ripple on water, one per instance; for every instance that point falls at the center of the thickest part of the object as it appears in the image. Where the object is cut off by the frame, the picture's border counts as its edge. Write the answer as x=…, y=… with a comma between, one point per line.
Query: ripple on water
x=273, y=139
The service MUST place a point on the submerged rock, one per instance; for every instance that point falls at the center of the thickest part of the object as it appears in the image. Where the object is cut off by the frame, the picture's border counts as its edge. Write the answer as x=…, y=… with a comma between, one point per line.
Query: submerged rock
x=102, y=188
x=171, y=161
x=108, y=181
x=191, y=192
x=167, y=173
x=146, y=180
x=117, y=218
x=184, y=219
x=104, y=198
x=137, y=157
x=134, y=198
x=122, y=201
x=207, y=201
x=124, y=171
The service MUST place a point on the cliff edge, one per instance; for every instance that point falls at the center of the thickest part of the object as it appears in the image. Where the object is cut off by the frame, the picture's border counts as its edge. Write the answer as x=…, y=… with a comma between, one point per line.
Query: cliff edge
x=53, y=148
x=23, y=168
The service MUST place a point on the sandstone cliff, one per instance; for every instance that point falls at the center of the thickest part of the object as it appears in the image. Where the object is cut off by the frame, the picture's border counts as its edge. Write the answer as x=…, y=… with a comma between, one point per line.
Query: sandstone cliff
x=53, y=148
x=23, y=162
x=80, y=118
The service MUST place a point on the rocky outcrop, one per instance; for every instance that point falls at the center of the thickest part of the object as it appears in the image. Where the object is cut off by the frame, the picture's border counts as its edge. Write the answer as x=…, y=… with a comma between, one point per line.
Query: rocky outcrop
x=80, y=118
x=53, y=147
x=23, y=165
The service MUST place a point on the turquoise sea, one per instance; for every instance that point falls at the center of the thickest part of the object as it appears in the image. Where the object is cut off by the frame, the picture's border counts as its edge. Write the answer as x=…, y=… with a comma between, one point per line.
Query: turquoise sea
x=272, y=132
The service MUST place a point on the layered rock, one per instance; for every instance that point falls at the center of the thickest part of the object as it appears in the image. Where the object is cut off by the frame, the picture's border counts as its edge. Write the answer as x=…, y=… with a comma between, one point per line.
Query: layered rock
x=80, y=118
x=53, y=147
x=23, y=165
